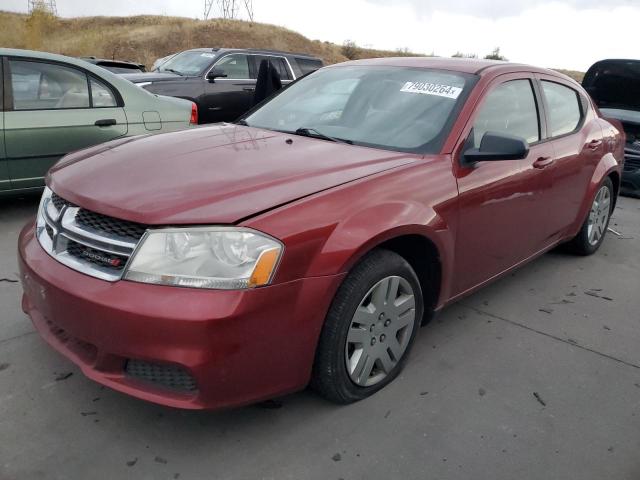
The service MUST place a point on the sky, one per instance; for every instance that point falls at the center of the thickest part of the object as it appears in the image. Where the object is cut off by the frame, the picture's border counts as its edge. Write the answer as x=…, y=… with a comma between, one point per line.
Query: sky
x=570, y=34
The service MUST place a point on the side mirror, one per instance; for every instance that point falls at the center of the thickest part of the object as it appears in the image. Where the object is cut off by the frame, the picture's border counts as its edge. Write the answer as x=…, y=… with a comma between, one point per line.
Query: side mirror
x=214, y=73
x=496, y=147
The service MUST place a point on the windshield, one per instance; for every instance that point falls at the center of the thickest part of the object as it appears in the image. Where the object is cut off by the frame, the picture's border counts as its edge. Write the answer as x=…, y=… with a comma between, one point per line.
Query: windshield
x=188, y=63
x=396, y=108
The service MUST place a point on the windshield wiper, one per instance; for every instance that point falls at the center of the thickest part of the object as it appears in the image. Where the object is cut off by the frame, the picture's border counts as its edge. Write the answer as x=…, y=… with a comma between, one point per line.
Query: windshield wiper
x=173, y=71
x=312, y=132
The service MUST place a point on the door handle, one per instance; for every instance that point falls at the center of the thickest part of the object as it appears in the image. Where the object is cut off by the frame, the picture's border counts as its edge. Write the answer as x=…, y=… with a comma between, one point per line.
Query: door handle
x=594, y=144
x=249, y=89
x=542, y=162
x=105, y=122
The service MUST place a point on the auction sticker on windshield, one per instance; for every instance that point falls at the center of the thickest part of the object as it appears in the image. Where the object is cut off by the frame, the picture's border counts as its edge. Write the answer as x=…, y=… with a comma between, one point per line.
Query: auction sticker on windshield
x=437, y=89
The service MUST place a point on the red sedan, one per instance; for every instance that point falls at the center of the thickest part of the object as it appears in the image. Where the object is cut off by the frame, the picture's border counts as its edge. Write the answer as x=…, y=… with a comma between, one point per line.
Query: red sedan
x=308, y=242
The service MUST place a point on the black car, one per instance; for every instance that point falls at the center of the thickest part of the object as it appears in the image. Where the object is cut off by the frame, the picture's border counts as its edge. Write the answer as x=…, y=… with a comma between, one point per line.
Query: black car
x=221, y=81
x=615, y=87
x=117, y=66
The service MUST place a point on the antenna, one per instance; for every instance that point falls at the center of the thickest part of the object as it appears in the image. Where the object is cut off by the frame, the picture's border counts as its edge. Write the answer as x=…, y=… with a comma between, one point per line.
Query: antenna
x=208, y=5
x=47, y=5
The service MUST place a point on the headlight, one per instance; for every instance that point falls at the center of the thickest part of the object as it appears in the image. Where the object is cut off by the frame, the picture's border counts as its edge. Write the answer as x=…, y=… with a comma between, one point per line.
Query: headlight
x=45, y=201
x=208, y=257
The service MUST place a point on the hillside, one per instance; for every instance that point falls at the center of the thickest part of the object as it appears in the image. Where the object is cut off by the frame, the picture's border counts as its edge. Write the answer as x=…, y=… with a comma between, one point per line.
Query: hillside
x=146, y=38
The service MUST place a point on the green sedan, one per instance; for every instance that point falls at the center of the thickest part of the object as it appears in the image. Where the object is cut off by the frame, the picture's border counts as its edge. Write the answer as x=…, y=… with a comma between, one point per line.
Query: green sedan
x=51, y=105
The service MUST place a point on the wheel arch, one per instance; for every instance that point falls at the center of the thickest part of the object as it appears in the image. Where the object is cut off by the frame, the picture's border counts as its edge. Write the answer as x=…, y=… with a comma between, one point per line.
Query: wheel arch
x=423, y=251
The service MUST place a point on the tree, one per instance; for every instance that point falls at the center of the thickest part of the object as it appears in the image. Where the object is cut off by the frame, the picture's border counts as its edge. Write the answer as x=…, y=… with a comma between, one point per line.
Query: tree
x=39, y=23
x=350, y=49
x=495, y=55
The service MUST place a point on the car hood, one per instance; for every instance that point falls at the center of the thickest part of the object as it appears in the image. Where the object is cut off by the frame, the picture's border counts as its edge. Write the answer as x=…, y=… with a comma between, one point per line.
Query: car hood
x=614, y=84
x=151, y=77
x=218, y=174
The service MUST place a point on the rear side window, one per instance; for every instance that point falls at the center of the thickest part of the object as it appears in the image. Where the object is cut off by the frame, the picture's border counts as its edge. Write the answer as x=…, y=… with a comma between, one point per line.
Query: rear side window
x=308, y=65
x=279, y=63
x=564, y=110
x=509, y=108
x=47, y=86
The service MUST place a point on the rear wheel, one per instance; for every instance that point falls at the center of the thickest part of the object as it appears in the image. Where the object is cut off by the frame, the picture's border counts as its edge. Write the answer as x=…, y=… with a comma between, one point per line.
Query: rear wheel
x=369, y=329
x=594, y=229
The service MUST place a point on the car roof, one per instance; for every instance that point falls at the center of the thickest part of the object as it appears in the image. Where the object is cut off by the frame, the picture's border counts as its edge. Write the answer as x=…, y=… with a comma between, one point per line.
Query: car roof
x=252, y=50
x=464, y=65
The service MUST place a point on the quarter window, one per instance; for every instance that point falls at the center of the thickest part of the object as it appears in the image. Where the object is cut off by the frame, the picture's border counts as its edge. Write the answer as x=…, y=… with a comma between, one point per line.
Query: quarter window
x=563, y=105
x=101, y=95
x=509, y=108
x=46, y=86
x=236, y=66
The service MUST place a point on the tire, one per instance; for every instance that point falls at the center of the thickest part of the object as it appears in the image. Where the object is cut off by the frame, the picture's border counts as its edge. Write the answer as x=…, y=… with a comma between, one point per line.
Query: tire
x=595, y=226
x=346, y=369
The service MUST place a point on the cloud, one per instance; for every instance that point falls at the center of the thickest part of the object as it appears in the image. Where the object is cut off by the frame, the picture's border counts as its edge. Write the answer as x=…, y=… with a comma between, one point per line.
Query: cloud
x=498, y=8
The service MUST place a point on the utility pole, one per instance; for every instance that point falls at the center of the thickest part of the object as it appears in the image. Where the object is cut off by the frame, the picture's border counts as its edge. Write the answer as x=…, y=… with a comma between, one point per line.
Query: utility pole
x=47, y=5
x=208, y=5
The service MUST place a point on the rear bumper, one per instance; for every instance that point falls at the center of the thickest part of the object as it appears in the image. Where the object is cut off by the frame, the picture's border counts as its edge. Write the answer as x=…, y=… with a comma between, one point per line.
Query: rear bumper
x=237, y=346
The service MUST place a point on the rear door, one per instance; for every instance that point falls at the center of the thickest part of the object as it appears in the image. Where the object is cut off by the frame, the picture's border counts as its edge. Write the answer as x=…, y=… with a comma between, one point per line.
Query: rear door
x=576, y=136
x=5, y=182
x=227, y=98
x=52, y=109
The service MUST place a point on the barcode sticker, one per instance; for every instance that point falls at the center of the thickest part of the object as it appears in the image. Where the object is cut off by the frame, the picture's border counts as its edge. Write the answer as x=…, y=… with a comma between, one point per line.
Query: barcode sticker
x=426, y=88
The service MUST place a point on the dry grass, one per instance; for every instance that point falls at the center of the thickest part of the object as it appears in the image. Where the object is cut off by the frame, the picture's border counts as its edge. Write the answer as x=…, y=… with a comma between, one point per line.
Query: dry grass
x=145, y=38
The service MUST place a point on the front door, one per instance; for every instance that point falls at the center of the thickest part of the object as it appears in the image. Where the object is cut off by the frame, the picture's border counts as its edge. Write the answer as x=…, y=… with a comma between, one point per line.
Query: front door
x=227, y=98
x=54, y=109
x=503, y=205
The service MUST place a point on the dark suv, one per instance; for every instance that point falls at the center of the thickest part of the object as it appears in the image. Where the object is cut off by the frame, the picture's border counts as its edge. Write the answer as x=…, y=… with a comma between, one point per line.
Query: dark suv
x=221, y=81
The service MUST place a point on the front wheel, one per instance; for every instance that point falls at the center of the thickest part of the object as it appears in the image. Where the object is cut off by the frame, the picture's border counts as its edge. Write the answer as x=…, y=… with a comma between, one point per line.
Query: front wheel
x=594, y=229
x=369, y=330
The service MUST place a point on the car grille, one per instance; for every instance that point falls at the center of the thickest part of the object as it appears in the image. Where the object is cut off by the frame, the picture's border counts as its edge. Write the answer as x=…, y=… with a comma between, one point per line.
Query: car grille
x=92, y=243
x=172, y=377
x=631, y=159
x=109, y=225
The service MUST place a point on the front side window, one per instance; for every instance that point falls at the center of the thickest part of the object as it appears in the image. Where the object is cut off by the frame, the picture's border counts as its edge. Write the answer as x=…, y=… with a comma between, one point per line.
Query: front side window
x=564, y=110
x=396, y=108
x=511, y=109
x=101, y=95
x=47, y=86
x=235, y=66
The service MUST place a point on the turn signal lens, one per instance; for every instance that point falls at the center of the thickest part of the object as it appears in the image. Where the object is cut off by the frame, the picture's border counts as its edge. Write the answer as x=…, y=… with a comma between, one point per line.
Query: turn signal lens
x=264, y=268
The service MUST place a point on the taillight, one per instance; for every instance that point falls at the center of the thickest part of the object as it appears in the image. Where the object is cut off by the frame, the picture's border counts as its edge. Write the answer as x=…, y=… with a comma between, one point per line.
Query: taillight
x=194, y=114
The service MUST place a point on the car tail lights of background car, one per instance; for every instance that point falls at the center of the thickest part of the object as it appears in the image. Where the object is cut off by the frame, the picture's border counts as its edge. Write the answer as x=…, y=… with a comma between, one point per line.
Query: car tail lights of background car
x=194, y=114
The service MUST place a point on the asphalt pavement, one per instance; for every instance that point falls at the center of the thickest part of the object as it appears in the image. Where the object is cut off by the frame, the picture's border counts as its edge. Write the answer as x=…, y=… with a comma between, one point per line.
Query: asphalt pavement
x=535, y=377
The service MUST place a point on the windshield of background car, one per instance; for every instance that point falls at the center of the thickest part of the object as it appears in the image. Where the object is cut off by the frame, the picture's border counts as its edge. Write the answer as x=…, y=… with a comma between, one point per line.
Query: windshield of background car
x=394, y=108
x=188, y=63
